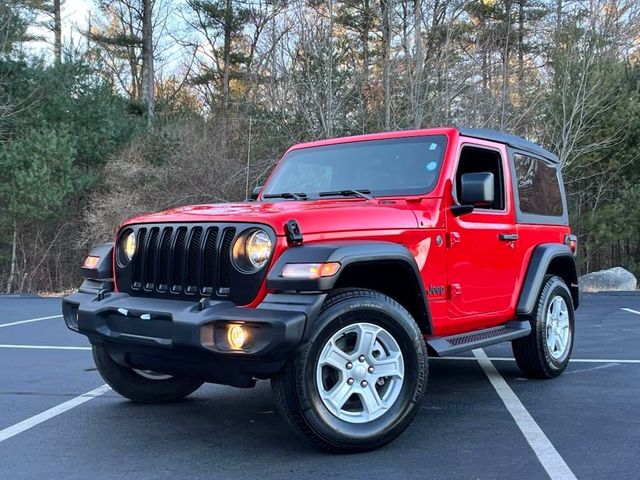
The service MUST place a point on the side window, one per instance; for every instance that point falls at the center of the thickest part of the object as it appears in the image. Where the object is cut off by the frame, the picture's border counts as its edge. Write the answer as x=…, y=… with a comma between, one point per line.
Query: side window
x=538, y=187
x=477, y=159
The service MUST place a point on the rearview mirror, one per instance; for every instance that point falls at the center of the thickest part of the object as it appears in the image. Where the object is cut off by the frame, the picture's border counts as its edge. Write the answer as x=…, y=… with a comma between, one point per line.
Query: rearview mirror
x=255, y=192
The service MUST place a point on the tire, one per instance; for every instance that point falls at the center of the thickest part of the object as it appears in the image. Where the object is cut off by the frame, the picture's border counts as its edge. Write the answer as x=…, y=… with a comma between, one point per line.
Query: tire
x=303, y=388
x=142, y=386
x=545, y=353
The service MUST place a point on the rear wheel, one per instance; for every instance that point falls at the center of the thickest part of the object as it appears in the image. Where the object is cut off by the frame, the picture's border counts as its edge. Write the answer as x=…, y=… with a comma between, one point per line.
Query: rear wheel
x=358, y=382
x=545, y=353
x=144, y=386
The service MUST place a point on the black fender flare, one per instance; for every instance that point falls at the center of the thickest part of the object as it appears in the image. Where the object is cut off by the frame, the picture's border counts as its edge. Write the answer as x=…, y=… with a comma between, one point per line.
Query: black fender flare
x=547, y=258
x=348, y=254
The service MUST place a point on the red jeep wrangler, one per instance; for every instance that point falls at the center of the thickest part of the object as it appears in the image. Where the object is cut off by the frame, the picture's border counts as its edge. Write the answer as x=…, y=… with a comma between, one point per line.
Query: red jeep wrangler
x=358, y=257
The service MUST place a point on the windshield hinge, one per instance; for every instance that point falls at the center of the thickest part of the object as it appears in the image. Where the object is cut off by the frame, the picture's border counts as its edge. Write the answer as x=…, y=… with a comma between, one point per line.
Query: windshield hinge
x=294, y=235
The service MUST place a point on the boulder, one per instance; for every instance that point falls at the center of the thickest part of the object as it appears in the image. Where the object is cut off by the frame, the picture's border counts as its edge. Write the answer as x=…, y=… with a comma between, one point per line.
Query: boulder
x=613, y=279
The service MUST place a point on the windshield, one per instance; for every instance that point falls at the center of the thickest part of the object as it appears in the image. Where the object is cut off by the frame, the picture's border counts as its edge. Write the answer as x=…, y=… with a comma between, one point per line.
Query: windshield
x=399, y=166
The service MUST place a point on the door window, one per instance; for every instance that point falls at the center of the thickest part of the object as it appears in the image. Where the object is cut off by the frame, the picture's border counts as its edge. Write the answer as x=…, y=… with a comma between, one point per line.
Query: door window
x=475, y=160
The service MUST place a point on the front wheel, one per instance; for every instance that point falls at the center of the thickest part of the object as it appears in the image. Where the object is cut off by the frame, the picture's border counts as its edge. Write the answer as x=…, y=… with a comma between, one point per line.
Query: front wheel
x=144, y=386
x=545, y=353
x=358, y=382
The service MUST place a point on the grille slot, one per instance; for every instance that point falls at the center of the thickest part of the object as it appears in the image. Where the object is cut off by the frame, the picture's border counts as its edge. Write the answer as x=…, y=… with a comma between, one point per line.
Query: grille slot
x=138, y=261
x=151, y=260
x=163, y=260
x=225, y=260
x=193, y=257
x=210, y=263
x=178, y=261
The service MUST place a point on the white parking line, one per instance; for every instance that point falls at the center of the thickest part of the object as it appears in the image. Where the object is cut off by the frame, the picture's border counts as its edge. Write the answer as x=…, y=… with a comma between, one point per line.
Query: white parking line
x=510, y=359
x=29, y=321
x=14, y=430
x=545, y=451
x=601, y=360
x=591, y=369
x=44, y=347
x=631, y=310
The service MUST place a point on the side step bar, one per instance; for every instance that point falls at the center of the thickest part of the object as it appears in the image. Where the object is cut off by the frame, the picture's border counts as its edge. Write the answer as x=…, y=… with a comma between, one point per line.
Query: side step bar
x=479, y=338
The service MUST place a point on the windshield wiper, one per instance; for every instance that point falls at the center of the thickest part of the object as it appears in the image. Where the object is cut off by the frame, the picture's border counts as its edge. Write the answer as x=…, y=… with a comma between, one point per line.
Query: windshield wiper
x=294, y=196
x=362, y=193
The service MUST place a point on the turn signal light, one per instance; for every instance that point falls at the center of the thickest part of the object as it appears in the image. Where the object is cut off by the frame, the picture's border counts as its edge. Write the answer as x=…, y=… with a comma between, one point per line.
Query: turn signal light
x=91, y=261
x=236, y=336
x=310, y=270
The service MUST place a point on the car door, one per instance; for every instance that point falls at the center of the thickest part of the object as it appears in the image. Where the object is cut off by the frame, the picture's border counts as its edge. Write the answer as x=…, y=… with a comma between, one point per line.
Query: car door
x=482, y=253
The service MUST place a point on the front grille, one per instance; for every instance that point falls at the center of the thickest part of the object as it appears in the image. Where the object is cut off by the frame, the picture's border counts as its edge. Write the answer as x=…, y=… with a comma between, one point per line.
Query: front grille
x=187, y=261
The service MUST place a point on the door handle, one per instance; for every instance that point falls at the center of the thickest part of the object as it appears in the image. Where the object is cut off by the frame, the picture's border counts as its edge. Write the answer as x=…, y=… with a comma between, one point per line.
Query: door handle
x=508, y=237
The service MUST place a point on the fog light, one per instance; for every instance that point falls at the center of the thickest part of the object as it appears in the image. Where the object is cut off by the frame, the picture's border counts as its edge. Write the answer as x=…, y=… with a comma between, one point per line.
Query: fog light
x=70, y=315
x=236, y=336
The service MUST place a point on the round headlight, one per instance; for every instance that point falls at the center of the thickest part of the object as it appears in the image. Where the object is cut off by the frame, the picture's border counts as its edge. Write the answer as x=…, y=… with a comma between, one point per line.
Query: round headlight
x=258, y=248
x=129, y=245
x=251, y=250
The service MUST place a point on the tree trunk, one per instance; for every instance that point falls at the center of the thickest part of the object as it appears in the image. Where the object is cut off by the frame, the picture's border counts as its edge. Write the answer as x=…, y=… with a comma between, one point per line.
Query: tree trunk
x=364, y=87
x=57, y=32
x=386, y=61
x=14, y=246
x=329, y=116
x=521, y=7
x=228, y=18
x=558, y=19
x=407, y=59
x=419, y=64
x=506, y=70
x=147, y=60
x=484, y=114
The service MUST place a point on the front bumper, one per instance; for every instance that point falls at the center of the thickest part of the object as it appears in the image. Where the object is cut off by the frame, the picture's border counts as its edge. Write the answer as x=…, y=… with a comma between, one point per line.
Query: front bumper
x=189, y=339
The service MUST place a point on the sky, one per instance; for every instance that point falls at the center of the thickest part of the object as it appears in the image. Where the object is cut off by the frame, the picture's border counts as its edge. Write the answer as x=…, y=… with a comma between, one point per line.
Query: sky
x=74, y=16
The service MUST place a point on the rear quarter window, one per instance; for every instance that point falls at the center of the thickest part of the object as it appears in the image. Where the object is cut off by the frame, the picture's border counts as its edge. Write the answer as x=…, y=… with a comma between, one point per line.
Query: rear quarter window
x=538, y=187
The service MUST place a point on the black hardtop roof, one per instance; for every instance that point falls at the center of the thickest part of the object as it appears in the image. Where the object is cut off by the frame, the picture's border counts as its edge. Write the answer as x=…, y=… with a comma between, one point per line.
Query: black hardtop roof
x=508, y=139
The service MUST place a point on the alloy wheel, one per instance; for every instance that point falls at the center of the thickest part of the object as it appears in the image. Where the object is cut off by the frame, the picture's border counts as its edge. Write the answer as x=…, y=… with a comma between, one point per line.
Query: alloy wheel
x=360, y=372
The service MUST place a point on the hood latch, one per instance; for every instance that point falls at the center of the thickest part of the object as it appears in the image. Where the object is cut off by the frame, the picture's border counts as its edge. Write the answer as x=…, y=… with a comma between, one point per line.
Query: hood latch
x=294, y=235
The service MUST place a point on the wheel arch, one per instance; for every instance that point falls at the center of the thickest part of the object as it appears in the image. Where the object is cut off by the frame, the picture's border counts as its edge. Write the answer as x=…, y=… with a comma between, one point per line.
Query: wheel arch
x=386, y=267
x=548, y=259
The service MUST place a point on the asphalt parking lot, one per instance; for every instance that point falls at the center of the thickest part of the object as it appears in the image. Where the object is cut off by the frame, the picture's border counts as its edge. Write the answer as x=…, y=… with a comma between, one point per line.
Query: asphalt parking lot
x=590, y=415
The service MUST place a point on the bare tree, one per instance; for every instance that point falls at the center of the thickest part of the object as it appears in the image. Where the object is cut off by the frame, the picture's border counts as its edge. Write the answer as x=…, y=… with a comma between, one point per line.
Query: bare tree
x=123, y=42
x=386, y=7
x=416, y=96
x=580, y=69
x=148, y=90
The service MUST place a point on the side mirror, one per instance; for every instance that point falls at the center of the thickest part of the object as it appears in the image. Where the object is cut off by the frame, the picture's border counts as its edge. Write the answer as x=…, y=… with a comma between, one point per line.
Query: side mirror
x=476, y=189
x=255, y=192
